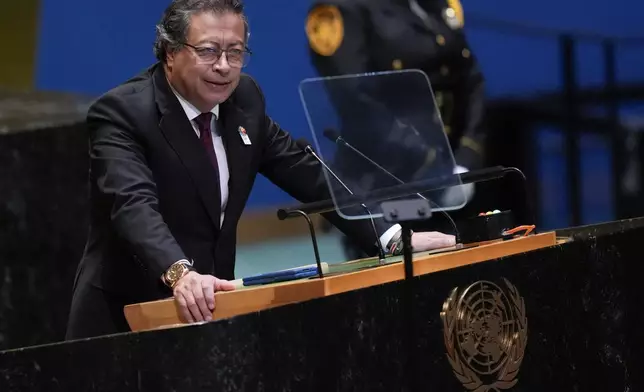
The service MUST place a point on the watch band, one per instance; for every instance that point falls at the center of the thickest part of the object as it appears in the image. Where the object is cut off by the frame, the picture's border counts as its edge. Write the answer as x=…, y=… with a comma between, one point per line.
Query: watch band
x=395, y=244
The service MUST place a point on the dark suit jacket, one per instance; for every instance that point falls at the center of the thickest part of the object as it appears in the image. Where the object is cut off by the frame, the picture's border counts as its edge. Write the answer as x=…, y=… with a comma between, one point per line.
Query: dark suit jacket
x=154, y=194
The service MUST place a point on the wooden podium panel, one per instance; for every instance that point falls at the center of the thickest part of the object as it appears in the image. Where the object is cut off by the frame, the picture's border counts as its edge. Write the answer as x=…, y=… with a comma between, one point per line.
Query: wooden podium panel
x=163, y=313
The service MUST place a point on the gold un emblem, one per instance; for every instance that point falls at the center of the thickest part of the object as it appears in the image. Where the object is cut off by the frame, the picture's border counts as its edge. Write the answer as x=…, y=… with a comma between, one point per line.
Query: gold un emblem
x=486, y=332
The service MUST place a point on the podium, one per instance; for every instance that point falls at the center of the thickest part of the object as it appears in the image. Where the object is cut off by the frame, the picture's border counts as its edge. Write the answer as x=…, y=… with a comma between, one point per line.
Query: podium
x=555, y=311
x=163, y=314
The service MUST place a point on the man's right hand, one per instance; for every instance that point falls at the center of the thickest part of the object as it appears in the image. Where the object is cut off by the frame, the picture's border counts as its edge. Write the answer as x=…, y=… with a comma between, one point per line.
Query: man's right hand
x=195, y=295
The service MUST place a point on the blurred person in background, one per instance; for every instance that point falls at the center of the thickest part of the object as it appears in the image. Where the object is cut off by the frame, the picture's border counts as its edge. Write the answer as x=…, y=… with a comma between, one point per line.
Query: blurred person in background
x=349, y=37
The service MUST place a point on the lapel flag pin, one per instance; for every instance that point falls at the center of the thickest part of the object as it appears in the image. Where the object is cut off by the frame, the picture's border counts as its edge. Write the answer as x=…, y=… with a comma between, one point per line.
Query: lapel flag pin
x=244, y=136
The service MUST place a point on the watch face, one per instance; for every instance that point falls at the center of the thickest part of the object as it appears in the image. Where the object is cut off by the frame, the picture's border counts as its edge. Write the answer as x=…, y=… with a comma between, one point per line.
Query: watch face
x=175, y=272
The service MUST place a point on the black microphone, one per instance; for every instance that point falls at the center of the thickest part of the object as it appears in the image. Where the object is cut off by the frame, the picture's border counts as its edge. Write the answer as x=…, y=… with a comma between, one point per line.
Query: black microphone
x=304, y=145
x=335, y=137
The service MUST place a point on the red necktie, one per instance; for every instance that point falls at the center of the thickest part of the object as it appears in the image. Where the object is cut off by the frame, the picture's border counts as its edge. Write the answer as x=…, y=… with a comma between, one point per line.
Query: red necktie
x=203, y=123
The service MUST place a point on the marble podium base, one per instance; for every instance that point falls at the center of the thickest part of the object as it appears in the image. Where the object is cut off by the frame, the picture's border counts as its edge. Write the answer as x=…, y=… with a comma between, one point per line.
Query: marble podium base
x=43, y=213
x=577, y=328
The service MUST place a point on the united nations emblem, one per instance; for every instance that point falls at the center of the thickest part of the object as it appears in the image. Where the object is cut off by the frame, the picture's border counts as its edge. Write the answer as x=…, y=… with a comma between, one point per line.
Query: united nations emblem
x=486, y=332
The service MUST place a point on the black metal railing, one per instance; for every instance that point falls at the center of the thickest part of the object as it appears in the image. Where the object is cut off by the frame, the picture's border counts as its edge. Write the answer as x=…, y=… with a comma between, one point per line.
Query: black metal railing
x=564, y=108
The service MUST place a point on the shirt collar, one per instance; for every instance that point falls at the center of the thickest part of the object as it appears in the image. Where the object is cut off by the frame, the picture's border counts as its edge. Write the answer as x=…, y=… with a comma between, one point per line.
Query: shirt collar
x=190, y=109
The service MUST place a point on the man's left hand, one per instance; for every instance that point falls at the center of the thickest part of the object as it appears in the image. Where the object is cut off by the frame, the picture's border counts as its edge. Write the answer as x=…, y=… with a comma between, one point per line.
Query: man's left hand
x=430, y=240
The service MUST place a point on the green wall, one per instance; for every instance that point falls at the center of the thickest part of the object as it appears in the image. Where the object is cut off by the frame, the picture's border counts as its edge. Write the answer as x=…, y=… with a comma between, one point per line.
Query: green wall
x=18, y=34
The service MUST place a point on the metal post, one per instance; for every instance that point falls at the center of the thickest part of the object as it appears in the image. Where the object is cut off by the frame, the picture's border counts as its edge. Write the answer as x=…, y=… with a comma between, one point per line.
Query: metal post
x=616, y=137
x=571, y=128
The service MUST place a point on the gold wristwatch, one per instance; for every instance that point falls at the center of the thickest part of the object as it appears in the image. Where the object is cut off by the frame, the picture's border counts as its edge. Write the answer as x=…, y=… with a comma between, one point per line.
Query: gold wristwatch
x=176, y=271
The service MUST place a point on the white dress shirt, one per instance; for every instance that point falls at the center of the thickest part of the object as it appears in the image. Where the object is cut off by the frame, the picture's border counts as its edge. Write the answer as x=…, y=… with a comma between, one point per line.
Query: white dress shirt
x=218, y=144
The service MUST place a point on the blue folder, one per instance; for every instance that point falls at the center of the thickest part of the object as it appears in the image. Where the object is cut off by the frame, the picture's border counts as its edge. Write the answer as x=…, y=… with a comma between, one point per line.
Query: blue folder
x=281, y=276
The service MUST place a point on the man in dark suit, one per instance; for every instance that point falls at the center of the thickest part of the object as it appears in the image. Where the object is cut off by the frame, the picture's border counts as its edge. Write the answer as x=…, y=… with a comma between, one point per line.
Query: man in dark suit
x=174, y=154
x=360, y=36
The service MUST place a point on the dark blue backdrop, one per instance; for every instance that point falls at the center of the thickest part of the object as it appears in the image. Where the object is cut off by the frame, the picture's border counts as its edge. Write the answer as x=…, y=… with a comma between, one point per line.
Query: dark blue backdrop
x=89, y=47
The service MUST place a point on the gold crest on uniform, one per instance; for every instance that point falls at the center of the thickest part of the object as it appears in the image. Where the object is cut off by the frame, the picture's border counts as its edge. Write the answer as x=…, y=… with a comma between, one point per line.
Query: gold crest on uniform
x=325, y=29
x=453, y=15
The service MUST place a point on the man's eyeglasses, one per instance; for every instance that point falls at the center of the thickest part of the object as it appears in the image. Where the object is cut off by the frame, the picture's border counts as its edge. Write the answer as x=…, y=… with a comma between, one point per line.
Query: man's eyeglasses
x=236, y=57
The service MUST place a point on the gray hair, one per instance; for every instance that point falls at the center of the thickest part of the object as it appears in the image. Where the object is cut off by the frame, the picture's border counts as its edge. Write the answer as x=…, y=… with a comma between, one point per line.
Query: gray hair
x=172, y=30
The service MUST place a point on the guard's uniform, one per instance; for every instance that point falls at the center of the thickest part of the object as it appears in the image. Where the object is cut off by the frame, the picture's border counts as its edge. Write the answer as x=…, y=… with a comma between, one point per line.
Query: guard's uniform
x=358, y=36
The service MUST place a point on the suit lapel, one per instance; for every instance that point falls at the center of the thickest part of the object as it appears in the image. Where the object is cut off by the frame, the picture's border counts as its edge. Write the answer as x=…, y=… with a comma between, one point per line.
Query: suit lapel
x=179, y=133
x=238, y=155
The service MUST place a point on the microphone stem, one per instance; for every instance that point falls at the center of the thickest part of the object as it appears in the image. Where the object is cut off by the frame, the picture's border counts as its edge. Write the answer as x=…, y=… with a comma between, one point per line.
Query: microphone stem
x=381, y=252
x=339, y=139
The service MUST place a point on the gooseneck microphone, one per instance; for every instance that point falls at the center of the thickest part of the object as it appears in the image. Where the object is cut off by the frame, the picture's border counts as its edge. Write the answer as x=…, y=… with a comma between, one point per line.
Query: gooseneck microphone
x=335, y=137
x=304, y=145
